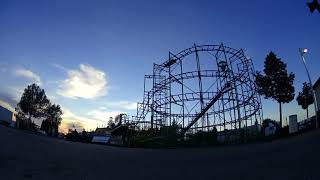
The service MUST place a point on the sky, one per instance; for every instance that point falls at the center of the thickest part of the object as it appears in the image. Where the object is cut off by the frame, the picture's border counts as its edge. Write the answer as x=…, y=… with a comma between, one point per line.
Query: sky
x=91, y=56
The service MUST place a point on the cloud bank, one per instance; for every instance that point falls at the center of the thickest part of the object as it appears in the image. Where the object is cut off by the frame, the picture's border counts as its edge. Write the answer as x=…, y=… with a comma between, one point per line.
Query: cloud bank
x=28, y=75
x=102, y=116
x=89, y=121
x=86, y=82
x=126, y=105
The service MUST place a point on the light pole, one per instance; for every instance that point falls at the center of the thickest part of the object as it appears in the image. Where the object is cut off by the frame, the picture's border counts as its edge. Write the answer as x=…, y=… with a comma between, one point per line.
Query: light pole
x=302, y=53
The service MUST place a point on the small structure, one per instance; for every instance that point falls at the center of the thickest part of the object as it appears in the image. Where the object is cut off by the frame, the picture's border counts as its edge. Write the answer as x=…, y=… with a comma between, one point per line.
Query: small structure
x=7, y=116
x=120, y=135
x=102, y=136
x=270, y=129
x=103, y=131
x=228, y=136
x=307, y=124
x=236, y=134
x=293, y=124
x=253, y=128
x=101, y=139
x=316, y=88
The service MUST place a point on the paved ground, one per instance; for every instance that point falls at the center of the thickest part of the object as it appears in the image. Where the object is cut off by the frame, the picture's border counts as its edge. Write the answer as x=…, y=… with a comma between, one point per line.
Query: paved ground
x=29, y=156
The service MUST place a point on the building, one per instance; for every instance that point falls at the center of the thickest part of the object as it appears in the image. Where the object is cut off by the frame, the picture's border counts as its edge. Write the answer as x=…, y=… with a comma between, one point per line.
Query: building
x=102, y=136
x=103, y=131
x=235, y=135
x=316, y=88
x=293, y=124
x=7, y=116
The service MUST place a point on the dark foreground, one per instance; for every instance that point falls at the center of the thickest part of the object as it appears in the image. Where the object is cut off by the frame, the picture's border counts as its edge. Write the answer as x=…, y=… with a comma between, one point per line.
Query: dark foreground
x=28, y=156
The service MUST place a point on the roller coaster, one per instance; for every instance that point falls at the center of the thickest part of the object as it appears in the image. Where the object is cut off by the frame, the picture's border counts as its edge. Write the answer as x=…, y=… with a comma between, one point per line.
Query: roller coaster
x=201, y=88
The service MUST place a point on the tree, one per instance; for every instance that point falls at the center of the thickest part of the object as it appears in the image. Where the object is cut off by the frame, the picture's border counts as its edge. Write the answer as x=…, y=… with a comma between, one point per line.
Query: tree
x=52, y=119
x=268, y=121
x=313, y=6
x=33, y=102
x=111, y=124
x=265, y=123
x=120, y=118
x=73, y=135
x=45, y=126
x=305, y=98
x=170, y=131
x=85, y=137
x=276, y=83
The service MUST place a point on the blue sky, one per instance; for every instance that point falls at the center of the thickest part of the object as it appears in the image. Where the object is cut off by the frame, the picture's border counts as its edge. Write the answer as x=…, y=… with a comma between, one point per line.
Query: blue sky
x=68, y=45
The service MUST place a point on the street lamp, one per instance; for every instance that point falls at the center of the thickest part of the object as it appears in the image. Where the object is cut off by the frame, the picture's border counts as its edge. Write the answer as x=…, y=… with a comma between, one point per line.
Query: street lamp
x=302, y=53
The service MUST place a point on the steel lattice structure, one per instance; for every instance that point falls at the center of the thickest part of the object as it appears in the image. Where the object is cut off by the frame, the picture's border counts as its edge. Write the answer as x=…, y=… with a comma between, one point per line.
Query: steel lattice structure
x=199, y=88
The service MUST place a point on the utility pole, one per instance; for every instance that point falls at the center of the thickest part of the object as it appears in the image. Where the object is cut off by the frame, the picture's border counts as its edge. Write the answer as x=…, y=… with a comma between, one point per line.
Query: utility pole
x=302, y=53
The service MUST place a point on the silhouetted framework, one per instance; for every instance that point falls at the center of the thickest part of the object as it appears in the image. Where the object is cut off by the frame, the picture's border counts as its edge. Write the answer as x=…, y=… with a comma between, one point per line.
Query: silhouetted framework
x=200, y=88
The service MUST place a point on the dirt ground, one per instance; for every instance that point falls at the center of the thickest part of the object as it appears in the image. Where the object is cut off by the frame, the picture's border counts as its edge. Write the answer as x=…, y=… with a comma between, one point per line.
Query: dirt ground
x=28, y=156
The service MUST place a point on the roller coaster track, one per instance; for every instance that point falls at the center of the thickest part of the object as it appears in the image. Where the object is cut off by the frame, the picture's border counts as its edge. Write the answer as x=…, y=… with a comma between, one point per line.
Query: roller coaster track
x=225, y=89
x=156, y=101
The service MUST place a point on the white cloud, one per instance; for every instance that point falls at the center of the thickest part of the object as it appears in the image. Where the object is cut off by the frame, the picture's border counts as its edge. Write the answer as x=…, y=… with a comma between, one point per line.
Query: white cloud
x=29, y=75
x=87, y=82
x=51, y=97
x=102, y=115
x=58, y=66
x=102, y=108
x=71, y=120
x=67, y=113
x=121, y=105
x=89, y=121
x=16, y=93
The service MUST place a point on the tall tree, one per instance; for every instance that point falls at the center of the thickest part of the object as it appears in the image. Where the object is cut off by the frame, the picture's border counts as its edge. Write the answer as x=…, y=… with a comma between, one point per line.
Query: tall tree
x=52, y=119
x=34, y=102
x=305, y=97
x=314, y=5
x=111, y=124
x=119, y=118
x=276, y=83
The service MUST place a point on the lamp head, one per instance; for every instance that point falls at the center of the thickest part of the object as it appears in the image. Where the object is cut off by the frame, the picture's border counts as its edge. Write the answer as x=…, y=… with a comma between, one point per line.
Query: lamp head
x=303, y=51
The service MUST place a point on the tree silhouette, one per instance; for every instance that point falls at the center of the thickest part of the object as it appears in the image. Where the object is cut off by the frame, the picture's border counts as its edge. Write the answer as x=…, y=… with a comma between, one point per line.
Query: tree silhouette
x=276, y=83
x=34, y=102
x=45, y=126
x=53, y=119
x=313, y=6
x=305, y=98
x=119, y=118
x=85, y=136
x=111, y=124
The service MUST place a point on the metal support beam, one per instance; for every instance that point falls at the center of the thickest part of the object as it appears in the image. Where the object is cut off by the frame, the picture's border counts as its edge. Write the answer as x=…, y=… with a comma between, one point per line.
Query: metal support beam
x=199, y=82
x=208, y=106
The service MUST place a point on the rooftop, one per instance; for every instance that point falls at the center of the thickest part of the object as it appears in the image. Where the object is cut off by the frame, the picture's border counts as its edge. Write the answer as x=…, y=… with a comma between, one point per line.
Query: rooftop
x=317, y=83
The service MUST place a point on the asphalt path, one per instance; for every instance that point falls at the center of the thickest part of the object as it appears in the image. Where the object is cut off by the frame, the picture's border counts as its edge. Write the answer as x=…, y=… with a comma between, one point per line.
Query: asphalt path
x=28, y=156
